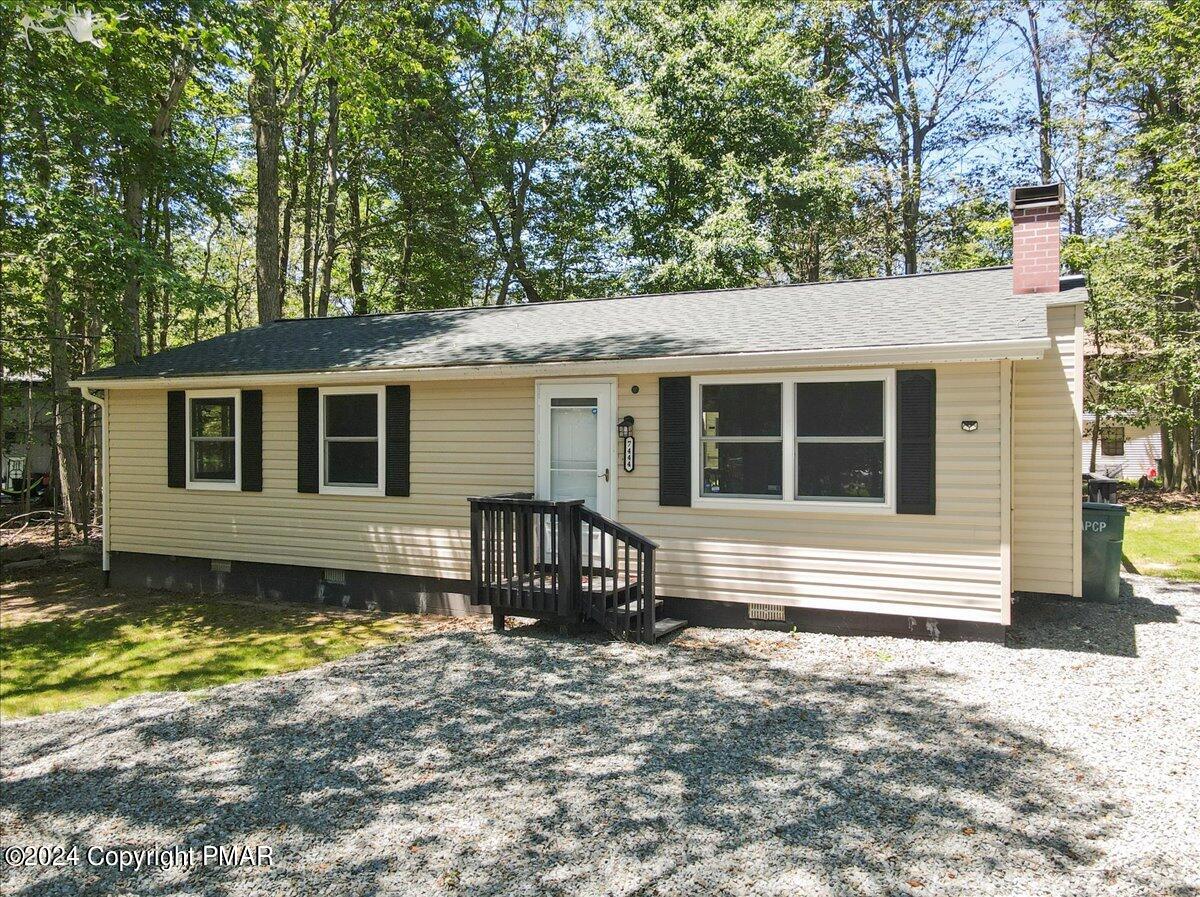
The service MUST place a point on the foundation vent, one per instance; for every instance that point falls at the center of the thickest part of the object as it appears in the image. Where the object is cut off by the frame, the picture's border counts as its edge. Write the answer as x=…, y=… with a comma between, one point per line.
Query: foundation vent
x=772, y=612
x=337, y=577
x=222, y=566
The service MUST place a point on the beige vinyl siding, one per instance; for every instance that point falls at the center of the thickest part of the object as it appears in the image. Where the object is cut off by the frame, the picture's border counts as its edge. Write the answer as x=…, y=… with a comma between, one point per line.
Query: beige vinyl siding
x=468, y=438
x=1047, y=441
x=947, y=565
x=476, y=437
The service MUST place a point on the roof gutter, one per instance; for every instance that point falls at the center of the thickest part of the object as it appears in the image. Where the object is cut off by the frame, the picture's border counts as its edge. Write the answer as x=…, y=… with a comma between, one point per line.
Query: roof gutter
x=996, y=350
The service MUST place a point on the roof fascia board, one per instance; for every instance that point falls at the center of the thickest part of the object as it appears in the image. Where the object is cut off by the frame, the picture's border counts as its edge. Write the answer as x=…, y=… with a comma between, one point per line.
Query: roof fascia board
x=1015, y=350
x=1062, y=299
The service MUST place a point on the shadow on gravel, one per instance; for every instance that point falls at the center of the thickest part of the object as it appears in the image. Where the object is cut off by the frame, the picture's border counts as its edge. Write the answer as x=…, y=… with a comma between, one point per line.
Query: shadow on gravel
x=475, y=763
x=1090, y=627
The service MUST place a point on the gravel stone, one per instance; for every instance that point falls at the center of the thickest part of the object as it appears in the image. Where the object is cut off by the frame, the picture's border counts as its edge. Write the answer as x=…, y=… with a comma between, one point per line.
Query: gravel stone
x=727, y=763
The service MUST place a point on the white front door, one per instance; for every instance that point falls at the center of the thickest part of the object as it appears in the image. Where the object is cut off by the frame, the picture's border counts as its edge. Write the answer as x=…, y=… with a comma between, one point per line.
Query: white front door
x=576, y=435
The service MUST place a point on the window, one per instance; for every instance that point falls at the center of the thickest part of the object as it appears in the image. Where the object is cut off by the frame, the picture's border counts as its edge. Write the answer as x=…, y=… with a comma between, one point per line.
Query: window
x=351, y=447
x=1112, y=441
x=840, y=441
x=805, y=440
x=574, y=426
x=741, y=440
x=213, y=440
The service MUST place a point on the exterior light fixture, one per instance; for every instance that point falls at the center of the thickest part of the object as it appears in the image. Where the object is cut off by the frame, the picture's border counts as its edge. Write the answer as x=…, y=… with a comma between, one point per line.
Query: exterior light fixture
x=625, y=431
x=970, y=426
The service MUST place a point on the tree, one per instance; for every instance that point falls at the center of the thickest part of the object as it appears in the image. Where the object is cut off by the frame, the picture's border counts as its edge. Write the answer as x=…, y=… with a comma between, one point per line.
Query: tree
x=720, y=138
x=1146, y=298
x=1025, y=19
x=277, y=26
x=925, y=71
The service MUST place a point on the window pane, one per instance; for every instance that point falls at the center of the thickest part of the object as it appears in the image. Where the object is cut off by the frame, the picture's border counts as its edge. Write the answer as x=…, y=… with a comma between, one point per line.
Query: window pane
x=213, y=459
x=743, y=468
x=839, y=470
x=354, y=463
x=568, y=485
x=352, y=415
x=1112, y=441
x=839, y=409
x=573, y=437
x=741, y=409
x=212, y=417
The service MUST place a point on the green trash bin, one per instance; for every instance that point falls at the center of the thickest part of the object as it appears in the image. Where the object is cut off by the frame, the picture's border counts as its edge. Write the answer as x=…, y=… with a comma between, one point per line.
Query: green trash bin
x=1103, y=533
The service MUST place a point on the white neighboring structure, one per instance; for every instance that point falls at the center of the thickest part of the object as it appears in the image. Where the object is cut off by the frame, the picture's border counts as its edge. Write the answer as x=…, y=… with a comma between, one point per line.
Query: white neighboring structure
x=26, y=401
x=1125, y=452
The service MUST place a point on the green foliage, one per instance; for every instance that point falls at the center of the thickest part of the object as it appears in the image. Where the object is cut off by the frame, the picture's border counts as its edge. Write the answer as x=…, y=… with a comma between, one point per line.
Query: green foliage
x=1144, y=313
x=89, y=650
x=974, y=233
x=722, y=138
x=1164, y=543
x=491, y=151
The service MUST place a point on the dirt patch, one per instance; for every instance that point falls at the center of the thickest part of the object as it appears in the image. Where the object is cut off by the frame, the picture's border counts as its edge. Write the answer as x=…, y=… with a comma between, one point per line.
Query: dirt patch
x=1159, y=501
x=24, y=539
x=67, y=589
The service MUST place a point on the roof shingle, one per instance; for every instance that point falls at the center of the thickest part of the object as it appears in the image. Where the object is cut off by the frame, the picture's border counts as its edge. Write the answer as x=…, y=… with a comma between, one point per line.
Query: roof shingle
x=931, y=309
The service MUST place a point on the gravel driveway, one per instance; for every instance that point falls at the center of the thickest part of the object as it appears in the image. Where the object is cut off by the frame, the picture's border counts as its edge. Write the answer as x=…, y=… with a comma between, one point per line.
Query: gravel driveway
x=727, y=763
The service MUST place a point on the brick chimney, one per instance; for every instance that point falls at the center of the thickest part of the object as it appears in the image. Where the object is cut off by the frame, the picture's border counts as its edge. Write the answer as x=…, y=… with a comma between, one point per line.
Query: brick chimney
x=1036, y=213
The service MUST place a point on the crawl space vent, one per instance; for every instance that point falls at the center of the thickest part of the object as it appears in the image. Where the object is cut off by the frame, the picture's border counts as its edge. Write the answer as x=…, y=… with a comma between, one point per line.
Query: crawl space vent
x=222, y=566
x=773, y=612
x=337, y=577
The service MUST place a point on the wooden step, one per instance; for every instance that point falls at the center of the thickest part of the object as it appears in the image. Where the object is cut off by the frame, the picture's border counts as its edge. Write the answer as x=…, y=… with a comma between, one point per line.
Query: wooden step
x=666, y=627
x=632, y=607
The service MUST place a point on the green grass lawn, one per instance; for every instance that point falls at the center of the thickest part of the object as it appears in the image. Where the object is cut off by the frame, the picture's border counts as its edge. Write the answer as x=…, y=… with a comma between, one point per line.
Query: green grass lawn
x=66, y=644
x=1164, y=543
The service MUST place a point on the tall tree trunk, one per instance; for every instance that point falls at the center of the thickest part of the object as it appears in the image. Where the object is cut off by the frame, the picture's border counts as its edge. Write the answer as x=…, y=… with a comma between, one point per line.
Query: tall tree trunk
x=1179, y=445
x=127, y=340
x=354, y=199
x=310, y=178
x=1042, y=92
x=164, y=315
x=60, y=358
x=1168, y=461
x=285, y=248
x=331, y=185
x=264, y=114
x=406, y=255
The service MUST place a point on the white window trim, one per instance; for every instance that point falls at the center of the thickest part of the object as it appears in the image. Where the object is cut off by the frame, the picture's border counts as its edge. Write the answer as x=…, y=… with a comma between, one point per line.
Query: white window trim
x=381, y=435
x=788, y=501
x=235, y=484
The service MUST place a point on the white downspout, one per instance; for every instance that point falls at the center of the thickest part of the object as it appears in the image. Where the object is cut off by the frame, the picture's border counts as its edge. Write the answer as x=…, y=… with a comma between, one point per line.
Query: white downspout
x=103, y=405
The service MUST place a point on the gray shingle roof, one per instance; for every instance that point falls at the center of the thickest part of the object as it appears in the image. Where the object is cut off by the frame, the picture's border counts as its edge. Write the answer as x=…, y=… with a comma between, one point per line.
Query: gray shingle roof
x=930, y=309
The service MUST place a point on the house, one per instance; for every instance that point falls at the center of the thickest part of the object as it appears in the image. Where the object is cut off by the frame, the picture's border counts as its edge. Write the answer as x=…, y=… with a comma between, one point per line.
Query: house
x=1122, y=450
x=27, y=438
x=894, y=454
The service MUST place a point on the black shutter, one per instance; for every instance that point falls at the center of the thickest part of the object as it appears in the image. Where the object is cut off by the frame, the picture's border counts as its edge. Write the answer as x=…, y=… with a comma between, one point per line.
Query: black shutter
x=251, y=425
x=674, y=441
x=308, y=457
x=176, y=438
x=916, y=403
x=396, y=464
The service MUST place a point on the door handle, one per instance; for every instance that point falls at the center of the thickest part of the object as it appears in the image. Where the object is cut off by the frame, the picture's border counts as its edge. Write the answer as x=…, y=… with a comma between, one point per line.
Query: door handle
x=605, y=475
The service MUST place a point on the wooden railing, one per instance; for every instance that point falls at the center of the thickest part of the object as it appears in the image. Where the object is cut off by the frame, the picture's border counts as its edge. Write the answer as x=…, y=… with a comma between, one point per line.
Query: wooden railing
x=618, y=577
x=561, y=559
x=515, y=546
